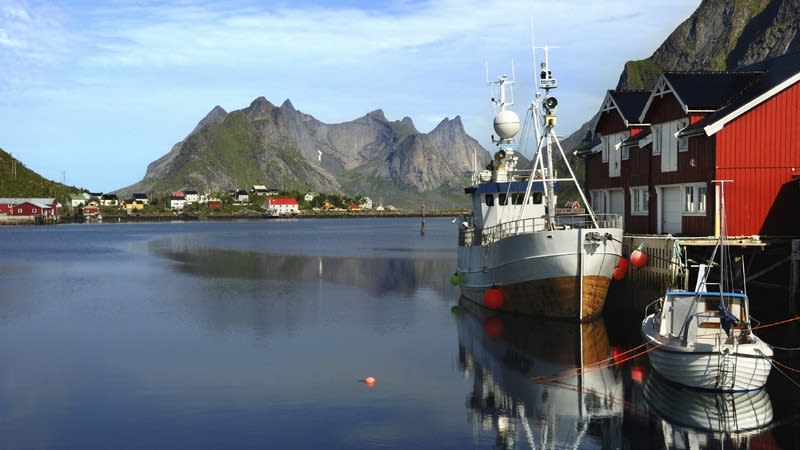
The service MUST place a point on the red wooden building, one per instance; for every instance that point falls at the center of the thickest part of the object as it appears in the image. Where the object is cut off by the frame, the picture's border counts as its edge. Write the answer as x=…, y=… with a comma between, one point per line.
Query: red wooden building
x=661, y=151
x=34, y=207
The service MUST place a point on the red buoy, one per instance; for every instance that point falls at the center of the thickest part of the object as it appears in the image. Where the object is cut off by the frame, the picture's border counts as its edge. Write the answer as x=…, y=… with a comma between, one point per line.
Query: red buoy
x=639, y=256
x=493, y=298
x=618, y=273
x=623, y=262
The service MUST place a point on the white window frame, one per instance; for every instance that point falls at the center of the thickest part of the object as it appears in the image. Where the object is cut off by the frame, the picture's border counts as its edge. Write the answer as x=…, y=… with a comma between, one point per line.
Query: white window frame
x=640, y=200
x=683, y=143
x=656, y=139
x=614, y=156
x=695, y=199
x=599, y=199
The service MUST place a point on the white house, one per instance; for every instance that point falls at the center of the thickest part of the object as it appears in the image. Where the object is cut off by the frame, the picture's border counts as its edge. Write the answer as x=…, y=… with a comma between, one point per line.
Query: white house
x=191, y=197
x=176, y=201
x=285, y=206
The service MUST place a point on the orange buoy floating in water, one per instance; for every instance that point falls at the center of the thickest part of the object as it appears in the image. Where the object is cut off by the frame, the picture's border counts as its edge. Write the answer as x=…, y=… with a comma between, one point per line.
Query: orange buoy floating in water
x=369, y=381
x=493, y=298
x=639, y=256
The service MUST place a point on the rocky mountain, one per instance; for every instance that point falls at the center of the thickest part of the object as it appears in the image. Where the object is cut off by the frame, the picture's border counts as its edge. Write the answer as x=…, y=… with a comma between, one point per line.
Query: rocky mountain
x=286, y=149
x=719, y=35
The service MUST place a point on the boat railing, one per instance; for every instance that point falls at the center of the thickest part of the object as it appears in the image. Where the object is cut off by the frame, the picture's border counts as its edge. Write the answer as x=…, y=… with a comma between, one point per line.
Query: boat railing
x=468, y=237
x=654, y=306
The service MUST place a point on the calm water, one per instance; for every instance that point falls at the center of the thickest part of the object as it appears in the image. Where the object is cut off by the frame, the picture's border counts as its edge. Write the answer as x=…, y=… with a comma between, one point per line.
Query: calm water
x=257, y=334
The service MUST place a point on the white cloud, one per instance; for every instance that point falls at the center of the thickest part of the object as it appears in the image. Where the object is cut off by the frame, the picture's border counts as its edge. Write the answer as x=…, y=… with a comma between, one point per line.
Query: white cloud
x=164, y=65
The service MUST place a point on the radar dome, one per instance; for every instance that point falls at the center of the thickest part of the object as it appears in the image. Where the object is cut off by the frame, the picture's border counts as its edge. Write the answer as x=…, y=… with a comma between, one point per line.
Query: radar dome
x=506, y=124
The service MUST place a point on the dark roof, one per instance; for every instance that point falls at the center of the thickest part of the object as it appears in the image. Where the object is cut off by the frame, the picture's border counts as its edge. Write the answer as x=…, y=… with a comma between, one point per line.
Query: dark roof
x=774, y=71
x=589, y=142
x=630, y=103
x=709, y=90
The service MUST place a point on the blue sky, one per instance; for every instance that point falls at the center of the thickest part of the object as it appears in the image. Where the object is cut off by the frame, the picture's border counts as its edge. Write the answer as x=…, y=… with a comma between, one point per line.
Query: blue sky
x=91, y=92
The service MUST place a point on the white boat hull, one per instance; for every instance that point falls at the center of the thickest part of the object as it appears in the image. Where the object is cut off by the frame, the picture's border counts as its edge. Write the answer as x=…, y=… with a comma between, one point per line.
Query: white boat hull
x=561, y=274
x=726, y=367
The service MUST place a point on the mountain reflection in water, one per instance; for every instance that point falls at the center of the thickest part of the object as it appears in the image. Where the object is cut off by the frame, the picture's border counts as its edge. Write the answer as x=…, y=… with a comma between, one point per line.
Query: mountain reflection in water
x=378, y=276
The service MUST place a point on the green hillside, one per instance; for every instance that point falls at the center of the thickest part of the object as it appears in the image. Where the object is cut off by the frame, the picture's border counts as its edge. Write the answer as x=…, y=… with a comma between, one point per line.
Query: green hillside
x=18, y=181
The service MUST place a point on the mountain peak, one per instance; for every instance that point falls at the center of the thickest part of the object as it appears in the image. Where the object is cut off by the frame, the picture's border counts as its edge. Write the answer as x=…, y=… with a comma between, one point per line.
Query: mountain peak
x=287, y=104
x=216, y=115
x=377, y=114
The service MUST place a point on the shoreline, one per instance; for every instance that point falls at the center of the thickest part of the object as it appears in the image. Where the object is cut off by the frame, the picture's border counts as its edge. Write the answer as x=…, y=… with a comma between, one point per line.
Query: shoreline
x=70, y=219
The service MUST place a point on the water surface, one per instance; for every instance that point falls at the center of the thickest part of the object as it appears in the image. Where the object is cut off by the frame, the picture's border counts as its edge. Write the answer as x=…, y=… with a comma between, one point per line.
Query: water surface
x=257, y=334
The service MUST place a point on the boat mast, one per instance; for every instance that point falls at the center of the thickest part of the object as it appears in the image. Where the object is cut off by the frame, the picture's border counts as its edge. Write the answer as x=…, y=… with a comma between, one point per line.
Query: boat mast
x=548, y=140
x=549, y=104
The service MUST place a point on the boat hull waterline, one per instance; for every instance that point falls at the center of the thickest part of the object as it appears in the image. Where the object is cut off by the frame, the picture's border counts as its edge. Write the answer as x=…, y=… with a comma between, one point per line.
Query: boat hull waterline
x=561, y=274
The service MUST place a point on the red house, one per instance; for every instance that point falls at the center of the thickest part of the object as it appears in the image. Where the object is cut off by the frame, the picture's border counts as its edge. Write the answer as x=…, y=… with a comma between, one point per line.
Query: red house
x=44, y=207
x=660, y=152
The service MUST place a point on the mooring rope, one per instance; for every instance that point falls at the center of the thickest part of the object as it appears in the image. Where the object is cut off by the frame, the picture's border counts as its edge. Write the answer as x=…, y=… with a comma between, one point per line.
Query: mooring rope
x=767, y=325
x=575, y=371
x=775, y=363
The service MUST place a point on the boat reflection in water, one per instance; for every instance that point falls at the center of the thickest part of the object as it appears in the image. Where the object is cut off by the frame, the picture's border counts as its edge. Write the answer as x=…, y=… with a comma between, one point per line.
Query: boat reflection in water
x=694, y=419
x=526, y=389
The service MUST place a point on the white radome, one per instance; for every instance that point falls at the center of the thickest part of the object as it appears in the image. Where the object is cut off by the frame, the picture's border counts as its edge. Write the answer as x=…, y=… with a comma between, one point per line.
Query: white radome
x=506, y=124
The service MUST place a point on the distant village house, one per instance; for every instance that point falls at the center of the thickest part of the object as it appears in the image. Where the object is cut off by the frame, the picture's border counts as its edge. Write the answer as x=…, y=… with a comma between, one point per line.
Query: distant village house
x=281, y=206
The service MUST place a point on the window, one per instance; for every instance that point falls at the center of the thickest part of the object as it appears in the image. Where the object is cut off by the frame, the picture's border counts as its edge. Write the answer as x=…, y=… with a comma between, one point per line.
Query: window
x=694, y=199
x=489, y=200
x=683, y=143
x=517, y=198
x=604, y=148
x=599, y=201
x=502, y=199
x=537, y=198
x=656, y=139
x=640, y=200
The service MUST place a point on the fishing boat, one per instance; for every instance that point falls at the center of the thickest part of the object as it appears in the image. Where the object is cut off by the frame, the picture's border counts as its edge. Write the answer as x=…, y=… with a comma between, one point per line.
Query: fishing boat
x=703, y=338
x=517, y=251
x=527, y=389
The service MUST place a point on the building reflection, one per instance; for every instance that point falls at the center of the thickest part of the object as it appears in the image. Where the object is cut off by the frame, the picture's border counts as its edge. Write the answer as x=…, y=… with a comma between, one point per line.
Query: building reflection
x=539, y=383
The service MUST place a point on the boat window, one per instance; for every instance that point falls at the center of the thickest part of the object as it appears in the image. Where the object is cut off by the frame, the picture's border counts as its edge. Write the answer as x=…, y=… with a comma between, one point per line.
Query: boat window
x=712, y=304
x=489, y=200
x=517, y=198
x=536, y=198
x=502, y=199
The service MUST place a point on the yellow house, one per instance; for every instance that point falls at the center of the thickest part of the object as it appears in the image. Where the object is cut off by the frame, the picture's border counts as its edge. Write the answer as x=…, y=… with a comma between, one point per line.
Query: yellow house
x=132, y=205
